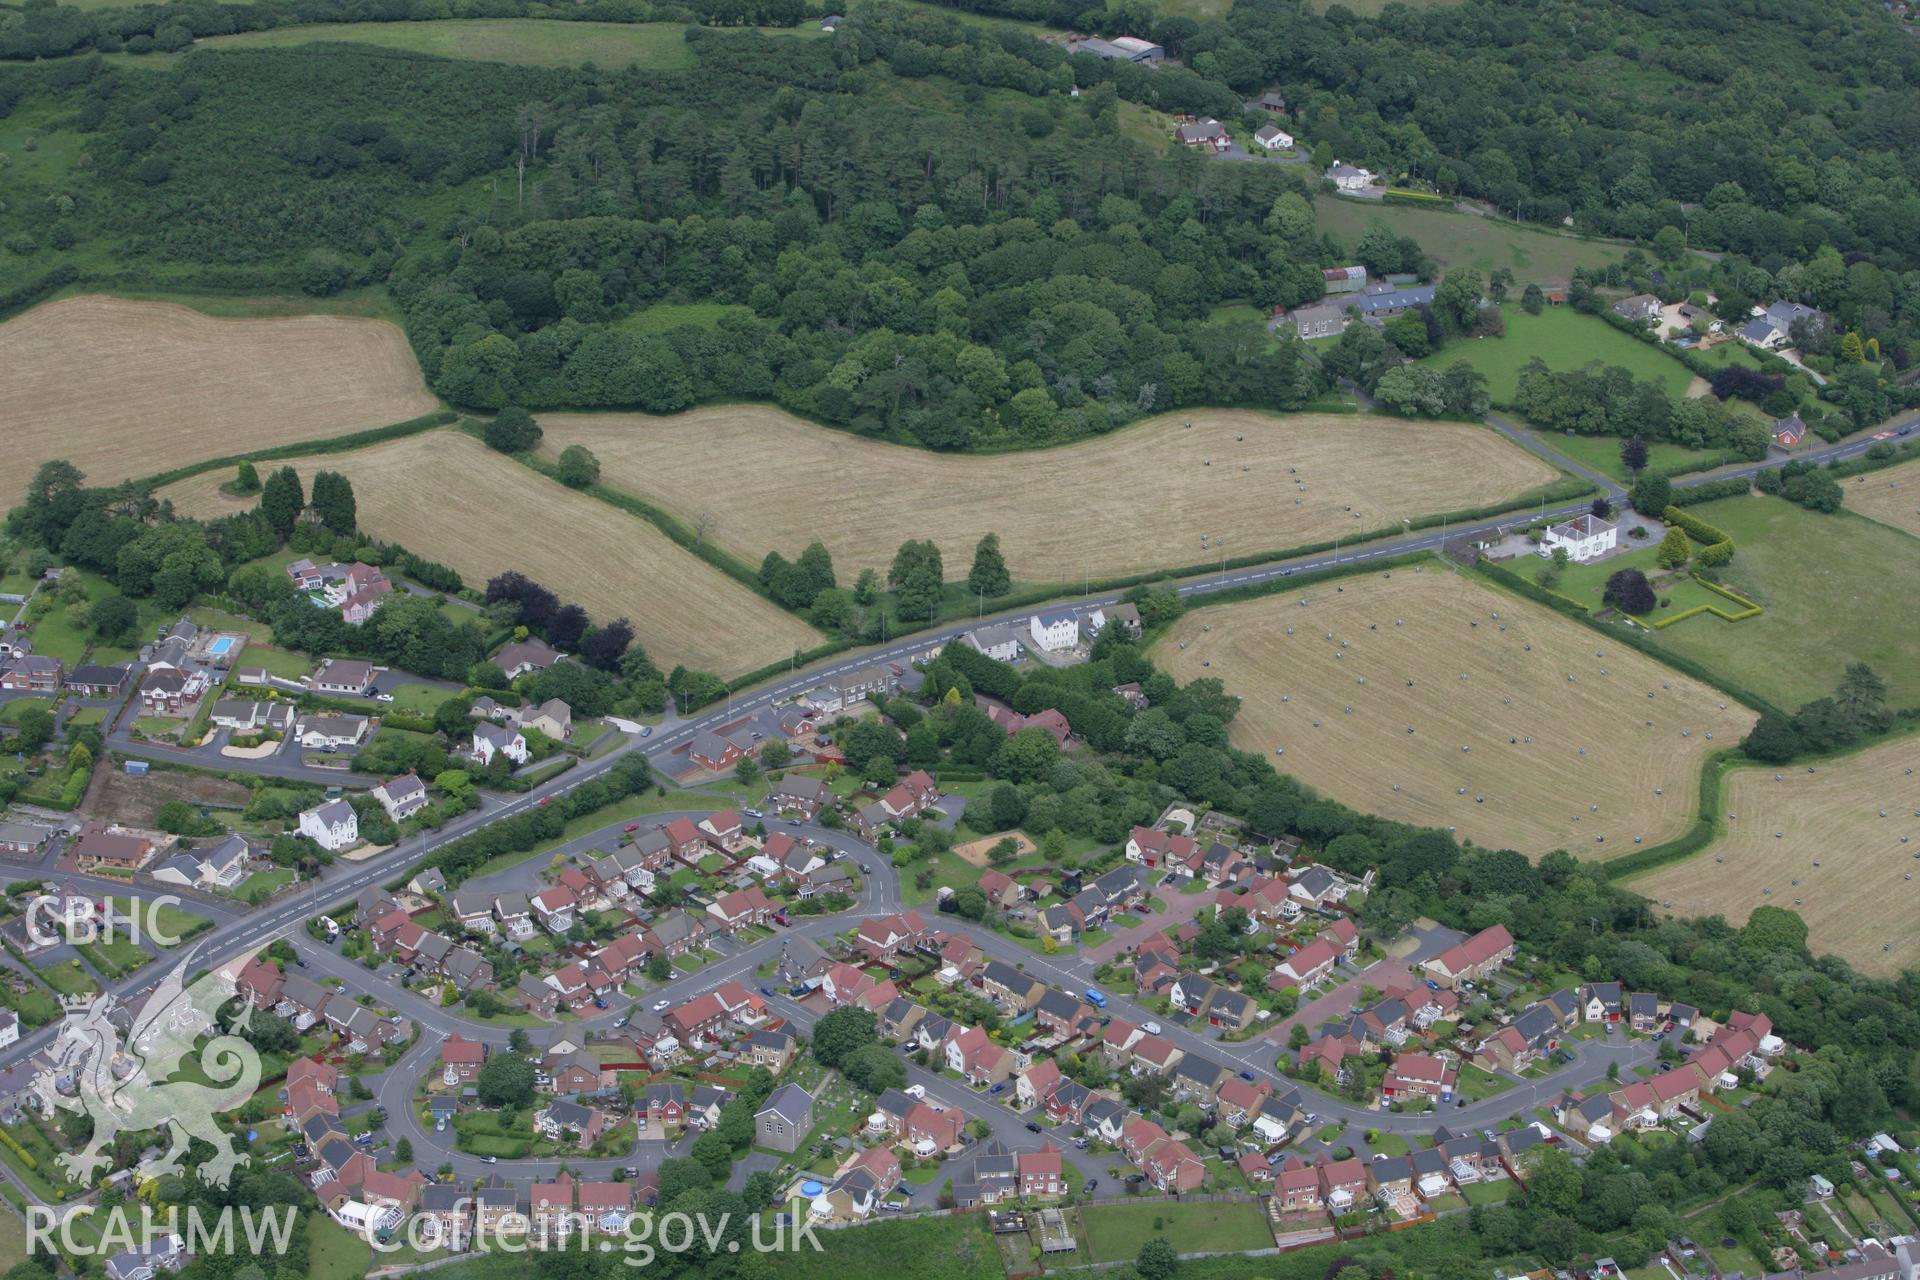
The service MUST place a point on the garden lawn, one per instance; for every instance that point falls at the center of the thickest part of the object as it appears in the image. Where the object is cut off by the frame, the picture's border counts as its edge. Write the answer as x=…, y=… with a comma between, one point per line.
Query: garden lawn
x=418, y=699
x=1602, y=454
x=1824, y=581
x=1476, y=1083
x=1115, y=1232
x=955, y=1248
x=1565, y=339
x=69, y=979
x=10, y=712
x=256, y=888
x=170, y=924
x=1488, y=1192
x=335, y=1253
x=1587, y=582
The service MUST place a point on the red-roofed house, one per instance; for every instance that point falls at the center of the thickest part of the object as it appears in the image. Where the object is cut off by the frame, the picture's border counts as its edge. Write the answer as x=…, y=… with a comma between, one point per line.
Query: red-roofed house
x=944, y=1129
x=845, y=984
x=1477, y=956
x=1037, y=1082
x=723, y=831
x=881, y=937
x=732, y=912
x=1041, y=1177
x=260, y=982
x=1343, y=1185
x=1419, y=1075
x=461, y=1060
x=684, y=841
x=1151, y=848
x=974, y=1055
x=1172, y=1166
x=1311, y=964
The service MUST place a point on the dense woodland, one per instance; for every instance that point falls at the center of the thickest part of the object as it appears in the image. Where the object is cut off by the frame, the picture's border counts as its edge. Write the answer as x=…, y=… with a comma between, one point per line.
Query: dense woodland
x=911, y=228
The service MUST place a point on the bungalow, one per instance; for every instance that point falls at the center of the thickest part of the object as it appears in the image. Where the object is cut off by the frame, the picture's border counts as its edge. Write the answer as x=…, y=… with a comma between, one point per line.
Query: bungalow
x=1643, y=308
x=713, y=752
x=342, y=676
x=1348, y=177
x=523, y=656
x=402, y=797
x=329, y=732
x=89, y=680
x=1476, y=957
x=1273, y=138
x=101, y=846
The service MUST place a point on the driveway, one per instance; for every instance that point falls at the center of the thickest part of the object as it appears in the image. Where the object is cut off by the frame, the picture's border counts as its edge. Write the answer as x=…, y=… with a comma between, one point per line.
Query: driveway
x=1180, y=909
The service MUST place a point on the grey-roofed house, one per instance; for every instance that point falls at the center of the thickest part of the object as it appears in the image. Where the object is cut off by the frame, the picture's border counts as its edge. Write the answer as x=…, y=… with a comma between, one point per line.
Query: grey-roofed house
x=784, y=1119
x=220, y=866
x=1320, y=320
x=1383, y=306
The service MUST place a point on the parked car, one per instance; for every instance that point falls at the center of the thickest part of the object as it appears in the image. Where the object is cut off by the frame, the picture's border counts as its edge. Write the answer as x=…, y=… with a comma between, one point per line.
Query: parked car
x=1034, y=1128
x=999, y=1088
x=1151, y=1028
x=631, y=826
x=489, y=1159
x=661, y=1006
x=753, y=813
x=1092, y=1185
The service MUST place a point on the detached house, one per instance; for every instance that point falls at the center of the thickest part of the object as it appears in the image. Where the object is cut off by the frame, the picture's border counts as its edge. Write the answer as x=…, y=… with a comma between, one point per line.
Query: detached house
x=402, y=797
x=333, y=826
x=490, y=740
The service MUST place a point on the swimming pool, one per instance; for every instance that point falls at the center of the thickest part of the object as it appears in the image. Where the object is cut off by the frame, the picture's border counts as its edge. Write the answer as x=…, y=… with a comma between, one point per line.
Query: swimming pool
x=220, y=645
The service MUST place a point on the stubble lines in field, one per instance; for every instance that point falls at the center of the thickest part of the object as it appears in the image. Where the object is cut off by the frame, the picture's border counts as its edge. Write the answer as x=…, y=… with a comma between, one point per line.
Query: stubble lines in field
x=1527, y=730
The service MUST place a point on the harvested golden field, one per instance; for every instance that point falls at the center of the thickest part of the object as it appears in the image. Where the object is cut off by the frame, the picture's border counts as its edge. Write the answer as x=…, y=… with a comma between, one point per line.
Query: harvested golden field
x=446, y=496
x=1891, y=496
x=1432, y=698
x=762, y=480
x=123, y=389
x=1817, y=840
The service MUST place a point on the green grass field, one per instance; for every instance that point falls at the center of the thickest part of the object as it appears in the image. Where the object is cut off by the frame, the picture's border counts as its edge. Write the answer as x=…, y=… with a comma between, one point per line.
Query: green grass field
x=1823, y=581
x=335, y=1253
x=418, y=699
x=69, y=979
x=256, y=887
x=1565, y=339
x=1115, y=1232
x=528, y=41
x=1463, y=240
x=1602, y=454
